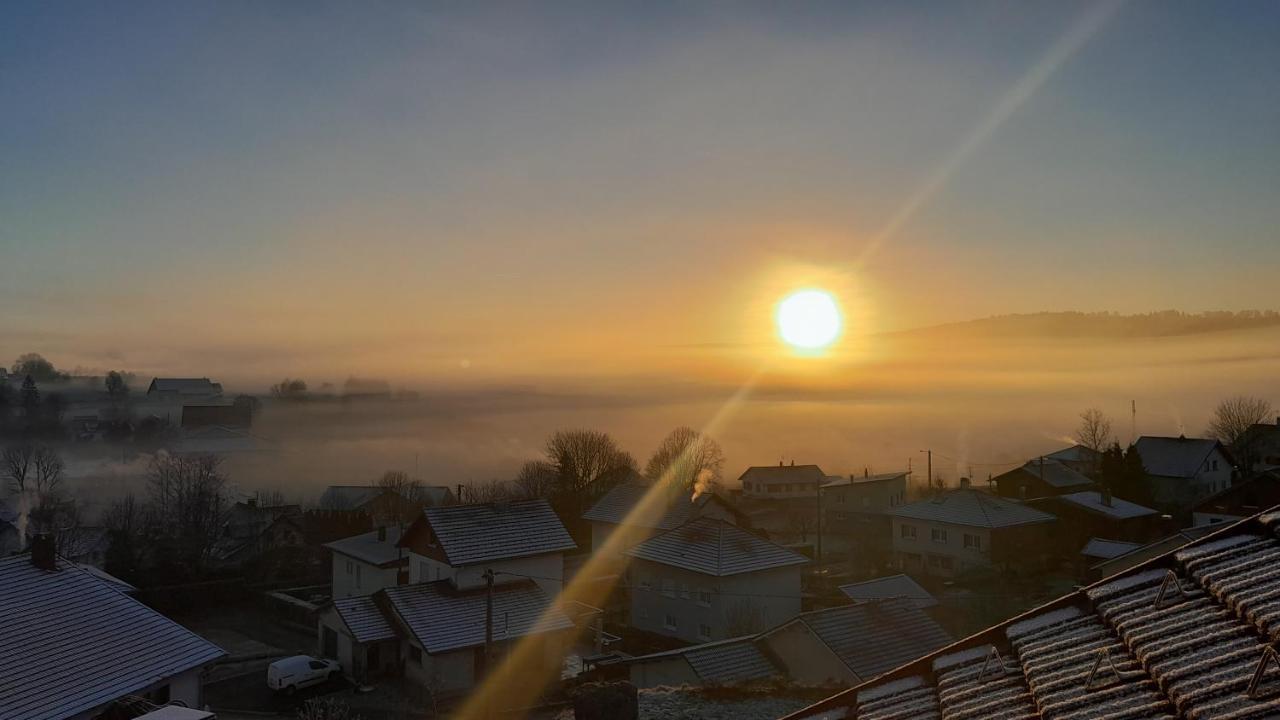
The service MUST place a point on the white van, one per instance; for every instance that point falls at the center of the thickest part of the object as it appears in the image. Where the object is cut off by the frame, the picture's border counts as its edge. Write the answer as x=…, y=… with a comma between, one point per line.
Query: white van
x=300, y=671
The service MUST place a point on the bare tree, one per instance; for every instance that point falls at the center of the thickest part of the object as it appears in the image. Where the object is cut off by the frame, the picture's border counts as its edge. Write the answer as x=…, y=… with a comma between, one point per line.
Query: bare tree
x=189, y=503
x=536, y=479
x=124, y=522
x=686, y=459
x=1234, y=416
x=32, y=468
x=289, y=389
x=587, y=461
x=490, y=492
x=1094, y=431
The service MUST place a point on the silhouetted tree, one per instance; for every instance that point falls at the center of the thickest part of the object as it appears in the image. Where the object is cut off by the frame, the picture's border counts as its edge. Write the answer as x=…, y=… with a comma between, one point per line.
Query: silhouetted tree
x=489, y=492
x=39, y=369
x=30, y=400
x=587, y=462
x=289, y=389
x=1231, y=422
x=686, y=460
x=1094, y=431
x=1123, y=472
x=189, y=502
x=32, y=468
x=117, y=388
x=536, y=479
x=124, y=524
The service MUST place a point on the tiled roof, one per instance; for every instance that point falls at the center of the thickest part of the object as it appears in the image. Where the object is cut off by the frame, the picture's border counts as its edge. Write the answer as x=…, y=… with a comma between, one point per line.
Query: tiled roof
x=973, y=508
x=368, y=548
x=1075, y=453
x=714, y=547
x=876, y=636
x=1107, y=549
x=364, y=619
x=1179, y=636
x=769, y=474
x=1054, y=473
x=616, y=507
x=476, y=533
x=1117, y=509
x=840, y=480
x=893, y=586
x=722, y=661
x=1174, y=456
x=443, y=619
x=72, y=642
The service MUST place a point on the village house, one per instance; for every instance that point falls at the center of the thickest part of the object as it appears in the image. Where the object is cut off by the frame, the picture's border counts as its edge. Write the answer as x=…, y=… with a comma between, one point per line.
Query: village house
x=711, y=580
x=844, y=644
x=1259, y=447
x=244, y=534
x=516, y=540
x=855, y=516
x=366, y=563
x=885, y=588
x=621, y=506
x=74, y=643
x=783, y=482
x=1182, y=471
x=1240, y=500
x=1041, y=477
x=183, y=390
x=964, y=529
x=1187, y=634
x=1097, y=514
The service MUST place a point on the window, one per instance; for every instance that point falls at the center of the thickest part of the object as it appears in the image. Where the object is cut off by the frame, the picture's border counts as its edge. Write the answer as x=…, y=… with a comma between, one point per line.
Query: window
x=669, y=622
x=704, y=631
x=1215, y=464
x=316, y=665
x=669, y=587
x=349, y=571
x=415, y=654
x=908, y=532
x=684, y=591
x=704, y=598
x=643, y=612
x=973, y=541
x=938, y=535
x=357, y=576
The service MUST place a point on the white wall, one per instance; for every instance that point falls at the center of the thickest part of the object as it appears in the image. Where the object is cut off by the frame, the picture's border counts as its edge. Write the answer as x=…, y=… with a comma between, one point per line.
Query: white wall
x=356, y=578
x=770, y=597
x=954, y=547
x=546, y=570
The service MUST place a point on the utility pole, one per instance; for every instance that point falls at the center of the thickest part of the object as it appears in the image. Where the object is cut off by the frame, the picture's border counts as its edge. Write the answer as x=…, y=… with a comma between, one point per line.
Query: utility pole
x=1133, y=421
x=929, y=469
x=818, y=493
x=488, y=622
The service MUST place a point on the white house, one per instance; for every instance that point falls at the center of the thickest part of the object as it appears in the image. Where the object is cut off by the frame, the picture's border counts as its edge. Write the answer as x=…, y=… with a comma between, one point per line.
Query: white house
x=1183, y=470
x=964, y=529
x=74, y=643
x=710, y=580
x=783, y=482
x=367, y=563
x=516, y=540
x=632, y=504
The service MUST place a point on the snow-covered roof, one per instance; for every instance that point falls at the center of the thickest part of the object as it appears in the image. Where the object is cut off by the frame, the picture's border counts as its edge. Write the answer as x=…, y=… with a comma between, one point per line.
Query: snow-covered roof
x=476, y=533
x=873, y=637
x=73, y=642
x=368, y=548
x=1054, y=473
x=1114, y=508
x=443, y=618
x=1107, y=549
x=715, y=547
x=364, y=619
x=1174, y=456
x=723, y=661
x=618, y=506
x=893, y=586
x=1181, y=635
x=973, y=508
x=1075, y=453
x=841, y=481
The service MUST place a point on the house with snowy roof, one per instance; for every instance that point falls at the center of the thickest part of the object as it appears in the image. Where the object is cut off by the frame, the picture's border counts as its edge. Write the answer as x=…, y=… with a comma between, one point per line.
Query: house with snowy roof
x=1041, y=477
x=781, y=482
x=711, y=580
x=1181, y=471
x=966, y=529
x=366, y=563
x=1187, y=634
x=1096, y=513
x=893, y=586
x=74, y=643
x=645, y=510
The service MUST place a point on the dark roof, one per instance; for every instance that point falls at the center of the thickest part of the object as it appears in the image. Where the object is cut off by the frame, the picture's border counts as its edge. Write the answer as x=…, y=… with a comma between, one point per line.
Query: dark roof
x=893, y=586
x=444, y=619
x=768, y=474
x=73, y=642
x=873, y=637
x=973, y=508
x=722, y=661
x=1174, y=456
x=1092, y=501
x=476, y=533
x=184, y=385
x=364, y=619
x=1185, y=633
x=1054, y=473
x=715, y=547
x=368, y=548
x=840, y=480
x=617, y=506
x=1076, y=453
x=1107, y=549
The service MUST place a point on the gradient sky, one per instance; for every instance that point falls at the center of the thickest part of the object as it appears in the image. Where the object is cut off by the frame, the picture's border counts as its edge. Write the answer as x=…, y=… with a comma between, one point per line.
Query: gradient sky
x=421, y=191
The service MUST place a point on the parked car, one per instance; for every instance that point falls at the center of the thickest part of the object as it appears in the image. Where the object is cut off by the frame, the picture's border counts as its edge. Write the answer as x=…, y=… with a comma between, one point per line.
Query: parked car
x=300, y=671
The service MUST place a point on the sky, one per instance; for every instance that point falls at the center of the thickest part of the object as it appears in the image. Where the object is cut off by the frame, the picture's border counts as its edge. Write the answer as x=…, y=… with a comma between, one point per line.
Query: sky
x=465, y=192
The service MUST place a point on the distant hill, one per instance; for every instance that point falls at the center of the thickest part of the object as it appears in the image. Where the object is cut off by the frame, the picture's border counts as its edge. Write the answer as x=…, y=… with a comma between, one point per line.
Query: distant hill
x=1166, y=323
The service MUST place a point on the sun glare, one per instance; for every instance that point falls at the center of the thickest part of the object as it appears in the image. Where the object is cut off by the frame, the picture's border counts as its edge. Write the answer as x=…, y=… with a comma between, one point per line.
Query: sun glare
x=809, y=319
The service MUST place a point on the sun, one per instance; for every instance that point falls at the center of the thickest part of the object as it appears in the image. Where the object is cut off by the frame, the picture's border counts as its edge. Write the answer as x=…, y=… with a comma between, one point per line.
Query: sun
x=809, y=319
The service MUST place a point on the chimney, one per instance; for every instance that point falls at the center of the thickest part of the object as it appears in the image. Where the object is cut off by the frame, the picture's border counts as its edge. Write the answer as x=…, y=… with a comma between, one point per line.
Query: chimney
x=43, y=552
x=866, y=472
x=1105, y=494
x=793, y=463
x=964, y=483
x=779, y=463
x=382, y=533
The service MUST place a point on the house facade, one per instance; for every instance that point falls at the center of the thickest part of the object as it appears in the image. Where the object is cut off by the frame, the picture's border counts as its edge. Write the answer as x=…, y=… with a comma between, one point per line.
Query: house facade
x=967, y=529
x=781, y=482
x=855, y=521
x=624, y=506
x=366, y=563
x=1041, y=477
x=710, y=580
x=1181, y=471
